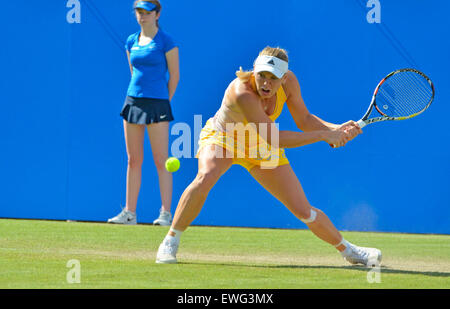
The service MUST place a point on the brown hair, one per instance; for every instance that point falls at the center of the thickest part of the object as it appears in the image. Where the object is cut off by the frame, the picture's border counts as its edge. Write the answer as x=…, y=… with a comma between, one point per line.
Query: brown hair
x=155, y=2
x=278, y=52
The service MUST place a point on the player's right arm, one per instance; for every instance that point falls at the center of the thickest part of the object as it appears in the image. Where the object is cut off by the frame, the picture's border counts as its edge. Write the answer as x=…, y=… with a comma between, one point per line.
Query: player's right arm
x=129, y=62
x=250, y=106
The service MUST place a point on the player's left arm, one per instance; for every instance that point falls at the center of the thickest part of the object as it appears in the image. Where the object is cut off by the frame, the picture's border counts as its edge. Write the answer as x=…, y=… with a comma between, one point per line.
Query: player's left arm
x=306, y=121
x=173, y=66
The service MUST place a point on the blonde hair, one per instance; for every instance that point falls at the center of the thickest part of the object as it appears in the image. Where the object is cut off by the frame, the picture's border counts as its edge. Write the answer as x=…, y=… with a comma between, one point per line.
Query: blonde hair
x=278, y=52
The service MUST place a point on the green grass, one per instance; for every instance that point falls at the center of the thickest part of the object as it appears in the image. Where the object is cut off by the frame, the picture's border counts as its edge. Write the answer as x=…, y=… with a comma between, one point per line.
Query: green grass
x=34, y=254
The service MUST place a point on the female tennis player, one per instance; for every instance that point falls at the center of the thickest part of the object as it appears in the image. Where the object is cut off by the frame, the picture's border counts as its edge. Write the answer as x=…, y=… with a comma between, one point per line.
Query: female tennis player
x=151, y=54
x=257, y=97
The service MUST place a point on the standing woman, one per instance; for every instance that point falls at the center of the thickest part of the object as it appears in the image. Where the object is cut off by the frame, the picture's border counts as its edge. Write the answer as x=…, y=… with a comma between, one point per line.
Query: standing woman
x=151, y=54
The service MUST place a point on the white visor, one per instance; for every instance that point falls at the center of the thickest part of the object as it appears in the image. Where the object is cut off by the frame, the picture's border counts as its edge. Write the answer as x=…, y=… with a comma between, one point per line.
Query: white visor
x=271, y=64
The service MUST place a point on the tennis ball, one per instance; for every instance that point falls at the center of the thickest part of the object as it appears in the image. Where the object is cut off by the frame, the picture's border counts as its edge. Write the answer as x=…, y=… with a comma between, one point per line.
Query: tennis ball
x=172, y=164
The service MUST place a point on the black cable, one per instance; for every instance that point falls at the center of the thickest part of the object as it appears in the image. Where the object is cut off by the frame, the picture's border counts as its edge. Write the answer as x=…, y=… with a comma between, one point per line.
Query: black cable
x=394, y=41
x=105, y=24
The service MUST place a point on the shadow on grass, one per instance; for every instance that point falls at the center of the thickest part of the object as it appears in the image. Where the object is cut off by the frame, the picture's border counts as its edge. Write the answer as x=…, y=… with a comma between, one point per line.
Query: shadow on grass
x=383, y=269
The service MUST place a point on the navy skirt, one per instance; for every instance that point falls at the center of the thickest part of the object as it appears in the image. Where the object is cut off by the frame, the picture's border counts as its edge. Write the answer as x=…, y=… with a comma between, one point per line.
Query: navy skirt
x=146, y=110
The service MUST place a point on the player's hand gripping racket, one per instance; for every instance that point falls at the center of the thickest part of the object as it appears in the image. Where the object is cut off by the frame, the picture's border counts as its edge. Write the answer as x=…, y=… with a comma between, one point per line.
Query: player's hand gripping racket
x=401, y=95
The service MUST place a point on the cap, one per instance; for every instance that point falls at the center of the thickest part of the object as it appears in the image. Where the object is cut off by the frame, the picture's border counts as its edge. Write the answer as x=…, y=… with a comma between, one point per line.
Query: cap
x=148, y=6
x=271, y=64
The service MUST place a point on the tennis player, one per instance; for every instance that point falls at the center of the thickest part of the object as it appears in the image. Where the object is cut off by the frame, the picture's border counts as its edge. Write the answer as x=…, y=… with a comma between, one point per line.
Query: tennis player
x=257, y=97
x=151, y=54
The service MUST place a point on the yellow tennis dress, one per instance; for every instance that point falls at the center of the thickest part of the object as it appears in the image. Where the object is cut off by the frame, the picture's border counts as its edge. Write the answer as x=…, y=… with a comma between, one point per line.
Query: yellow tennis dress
x=245, y=150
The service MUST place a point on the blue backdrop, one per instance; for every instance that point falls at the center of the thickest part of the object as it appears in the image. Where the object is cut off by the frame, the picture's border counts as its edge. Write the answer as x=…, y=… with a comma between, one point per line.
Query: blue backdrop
x=63, y=85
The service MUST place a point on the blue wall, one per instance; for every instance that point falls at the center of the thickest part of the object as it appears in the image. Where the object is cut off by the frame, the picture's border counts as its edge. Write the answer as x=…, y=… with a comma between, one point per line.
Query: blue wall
x=61, y=160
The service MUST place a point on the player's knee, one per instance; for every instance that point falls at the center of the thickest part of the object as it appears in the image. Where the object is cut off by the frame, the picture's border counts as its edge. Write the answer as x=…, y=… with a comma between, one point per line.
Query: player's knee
x=205, y=180
x=135, y=161
x=309, y=215
x=160, y=162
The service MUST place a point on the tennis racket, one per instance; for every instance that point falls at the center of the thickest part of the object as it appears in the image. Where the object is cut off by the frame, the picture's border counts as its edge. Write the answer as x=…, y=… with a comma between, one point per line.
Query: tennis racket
x=402, y=94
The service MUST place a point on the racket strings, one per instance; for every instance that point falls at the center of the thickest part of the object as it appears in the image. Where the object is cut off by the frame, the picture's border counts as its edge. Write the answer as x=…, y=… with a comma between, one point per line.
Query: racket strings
x=404, y=94
x=404, y=97
x=399, y=106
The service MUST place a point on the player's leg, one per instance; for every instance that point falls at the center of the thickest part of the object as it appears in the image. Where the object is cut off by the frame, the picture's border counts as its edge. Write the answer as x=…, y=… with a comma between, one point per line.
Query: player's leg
x=159, y=140
x=134, y=141
x=211, y=167
x=283, y=184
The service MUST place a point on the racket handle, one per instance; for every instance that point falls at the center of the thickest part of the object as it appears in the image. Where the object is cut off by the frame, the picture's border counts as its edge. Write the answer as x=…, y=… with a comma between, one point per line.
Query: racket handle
x=361, y=123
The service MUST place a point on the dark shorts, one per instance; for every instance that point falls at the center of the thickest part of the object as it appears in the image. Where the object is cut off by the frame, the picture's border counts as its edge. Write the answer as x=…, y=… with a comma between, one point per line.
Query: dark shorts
x=146, y=110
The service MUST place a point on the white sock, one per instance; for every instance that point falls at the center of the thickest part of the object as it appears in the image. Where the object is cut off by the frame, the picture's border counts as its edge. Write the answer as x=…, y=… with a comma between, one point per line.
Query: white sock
x=177, y=234
x=346, y=244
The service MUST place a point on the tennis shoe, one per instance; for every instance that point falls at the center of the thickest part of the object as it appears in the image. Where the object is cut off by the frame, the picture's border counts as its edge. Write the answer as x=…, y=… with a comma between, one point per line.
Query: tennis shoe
x=125, y=217
x=369, y=257
x=167, y=251
x=164, y=219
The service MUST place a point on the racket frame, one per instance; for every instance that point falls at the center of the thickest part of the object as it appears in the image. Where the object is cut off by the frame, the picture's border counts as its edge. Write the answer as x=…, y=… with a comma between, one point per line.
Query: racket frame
x=365, y=121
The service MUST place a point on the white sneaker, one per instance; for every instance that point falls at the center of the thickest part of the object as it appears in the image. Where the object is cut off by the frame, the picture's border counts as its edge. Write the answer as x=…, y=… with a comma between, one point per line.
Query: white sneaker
x=125, y=217
x=369, y=257
x=164, y=219
x=167, y=251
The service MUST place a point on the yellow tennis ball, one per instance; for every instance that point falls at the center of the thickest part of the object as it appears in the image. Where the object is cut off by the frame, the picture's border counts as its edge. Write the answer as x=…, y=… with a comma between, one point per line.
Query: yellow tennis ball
x=172, y=164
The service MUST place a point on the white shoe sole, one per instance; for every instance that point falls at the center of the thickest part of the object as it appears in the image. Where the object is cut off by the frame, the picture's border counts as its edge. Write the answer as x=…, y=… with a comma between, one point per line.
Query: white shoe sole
x=162, y=223
x=168, y=261
x=124, y=223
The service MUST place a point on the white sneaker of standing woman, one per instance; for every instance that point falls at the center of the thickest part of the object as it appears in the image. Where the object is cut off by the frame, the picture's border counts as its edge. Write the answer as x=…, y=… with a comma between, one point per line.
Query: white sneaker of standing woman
x=164, y=219
x=125, y=217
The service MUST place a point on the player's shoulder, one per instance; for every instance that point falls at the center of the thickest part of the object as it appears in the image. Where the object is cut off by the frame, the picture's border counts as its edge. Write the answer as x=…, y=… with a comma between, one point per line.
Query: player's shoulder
x=163, y=33
x=166, y=40
x=133, y=36
x=164, y=36
x=291, y=78
x=242, y=89
x=131, y=40
x=242, y=92
x=291, y=85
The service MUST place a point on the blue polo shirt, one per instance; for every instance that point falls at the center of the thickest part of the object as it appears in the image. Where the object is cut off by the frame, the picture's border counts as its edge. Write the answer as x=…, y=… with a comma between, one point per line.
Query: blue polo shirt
x=149, y=79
